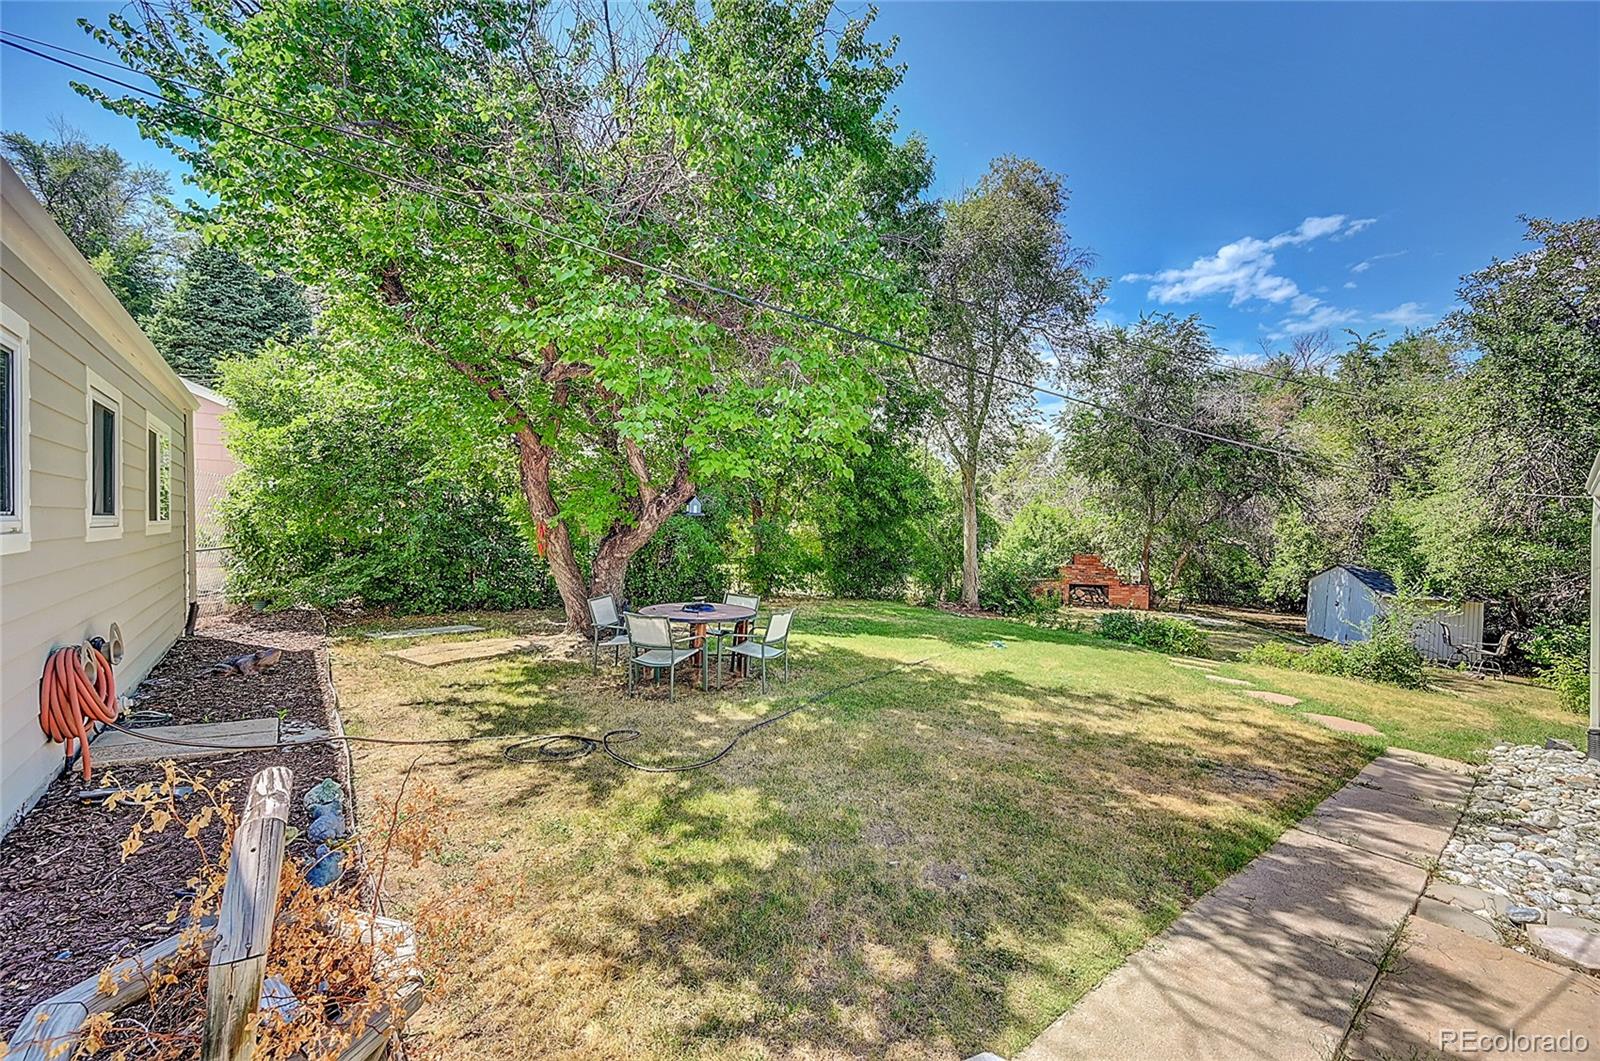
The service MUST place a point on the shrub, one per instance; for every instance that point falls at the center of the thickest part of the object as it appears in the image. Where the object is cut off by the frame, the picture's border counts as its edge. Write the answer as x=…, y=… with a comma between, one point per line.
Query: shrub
x=1386, y=659
x=684, y=560
x=1272, y=654
x=1561, y=657
x=1156, y=632
x=341, y=496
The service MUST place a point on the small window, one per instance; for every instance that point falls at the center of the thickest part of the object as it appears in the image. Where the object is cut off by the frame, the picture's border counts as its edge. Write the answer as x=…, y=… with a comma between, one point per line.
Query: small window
x=158, y=476
x=104, y=478
x=13, y=432
x=9, y=472
x=105, y=458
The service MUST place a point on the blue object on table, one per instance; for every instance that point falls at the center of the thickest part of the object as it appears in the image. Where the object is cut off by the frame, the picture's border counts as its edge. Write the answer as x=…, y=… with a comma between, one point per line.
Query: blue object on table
x=699, y=606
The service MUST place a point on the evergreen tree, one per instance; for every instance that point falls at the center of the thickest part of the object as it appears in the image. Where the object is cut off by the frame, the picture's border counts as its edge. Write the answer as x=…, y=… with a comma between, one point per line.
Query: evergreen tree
x=220, y=308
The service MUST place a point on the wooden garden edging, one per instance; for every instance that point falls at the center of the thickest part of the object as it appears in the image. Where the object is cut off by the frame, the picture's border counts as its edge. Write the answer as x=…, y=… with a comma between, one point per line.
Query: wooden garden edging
x=51, y=1029
x=237, y=939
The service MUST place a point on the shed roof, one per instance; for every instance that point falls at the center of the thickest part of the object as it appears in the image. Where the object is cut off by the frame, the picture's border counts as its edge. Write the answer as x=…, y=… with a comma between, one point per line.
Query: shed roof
x=1371, y=577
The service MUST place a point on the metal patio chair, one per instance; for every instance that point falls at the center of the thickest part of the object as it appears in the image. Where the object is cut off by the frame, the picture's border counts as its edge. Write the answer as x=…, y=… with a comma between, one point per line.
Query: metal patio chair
x=652, y=646
x=1484, y=659
x=608, y=625
x=721, y=632
x=773, y=643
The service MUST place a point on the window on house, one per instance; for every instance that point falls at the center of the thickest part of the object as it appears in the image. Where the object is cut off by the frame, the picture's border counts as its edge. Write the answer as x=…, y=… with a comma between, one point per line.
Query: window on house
x=158, y=476
x=103, y=420
x=10, y=471
x=13, y=432
x=103, y=476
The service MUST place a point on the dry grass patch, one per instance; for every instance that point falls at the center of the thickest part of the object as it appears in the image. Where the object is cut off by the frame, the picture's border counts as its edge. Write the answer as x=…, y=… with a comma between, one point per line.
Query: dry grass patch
x=933, y=863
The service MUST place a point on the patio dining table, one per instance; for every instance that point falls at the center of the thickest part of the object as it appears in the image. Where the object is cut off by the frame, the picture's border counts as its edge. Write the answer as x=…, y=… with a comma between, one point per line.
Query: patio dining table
x=698, y=620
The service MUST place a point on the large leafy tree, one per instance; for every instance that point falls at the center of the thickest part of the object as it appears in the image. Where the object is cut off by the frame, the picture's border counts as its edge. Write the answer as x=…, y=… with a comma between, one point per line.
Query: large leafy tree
x=1174, y=450
x=1008, y=287
x=112, y=211
x=221, y=307
x=512, y=201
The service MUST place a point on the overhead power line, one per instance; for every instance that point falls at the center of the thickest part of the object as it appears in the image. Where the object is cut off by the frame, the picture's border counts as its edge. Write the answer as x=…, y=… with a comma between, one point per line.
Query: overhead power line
x=417, y=185
x=1312, y=381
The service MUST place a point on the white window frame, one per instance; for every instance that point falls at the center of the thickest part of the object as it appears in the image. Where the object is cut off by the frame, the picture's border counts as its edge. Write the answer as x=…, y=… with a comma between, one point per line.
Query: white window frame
x=16, y=533
x=102, y=528
x=163, y=432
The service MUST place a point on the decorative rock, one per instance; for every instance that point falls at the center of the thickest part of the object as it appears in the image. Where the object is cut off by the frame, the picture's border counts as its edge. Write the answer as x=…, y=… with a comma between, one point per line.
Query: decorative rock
x=1523, y=915
x=328, y=825
x=1559, y=745
x=325, y=791
x=1531, y=833
x=327, y=867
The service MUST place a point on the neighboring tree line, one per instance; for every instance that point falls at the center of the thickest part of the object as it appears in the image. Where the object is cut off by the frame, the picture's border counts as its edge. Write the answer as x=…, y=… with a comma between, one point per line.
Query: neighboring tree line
x=506, y=223
x=199, y=303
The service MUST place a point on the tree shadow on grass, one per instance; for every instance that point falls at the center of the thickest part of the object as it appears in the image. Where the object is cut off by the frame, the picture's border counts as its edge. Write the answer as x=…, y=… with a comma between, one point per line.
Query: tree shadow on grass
x=933, y=857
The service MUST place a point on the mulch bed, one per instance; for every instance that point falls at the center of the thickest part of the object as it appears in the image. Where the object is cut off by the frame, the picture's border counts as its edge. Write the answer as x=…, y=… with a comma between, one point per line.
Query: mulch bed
x=68, y=903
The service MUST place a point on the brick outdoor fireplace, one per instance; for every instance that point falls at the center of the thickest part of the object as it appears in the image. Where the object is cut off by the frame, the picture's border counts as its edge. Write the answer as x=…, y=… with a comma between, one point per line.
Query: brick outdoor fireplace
x=1089, y=583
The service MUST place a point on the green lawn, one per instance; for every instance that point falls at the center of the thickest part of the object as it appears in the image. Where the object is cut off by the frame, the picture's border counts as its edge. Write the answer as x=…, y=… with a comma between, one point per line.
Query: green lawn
x=936, y=861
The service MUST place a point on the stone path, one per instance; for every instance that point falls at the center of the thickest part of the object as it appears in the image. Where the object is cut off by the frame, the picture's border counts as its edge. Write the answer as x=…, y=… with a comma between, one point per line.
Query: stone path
x=1343, y=725
x=1272, y=962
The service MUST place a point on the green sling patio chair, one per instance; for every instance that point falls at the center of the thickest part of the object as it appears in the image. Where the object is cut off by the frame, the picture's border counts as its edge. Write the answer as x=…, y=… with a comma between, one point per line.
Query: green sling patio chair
x=609, y=630
x=721, y=632
x=773, y=643
x=652, y=647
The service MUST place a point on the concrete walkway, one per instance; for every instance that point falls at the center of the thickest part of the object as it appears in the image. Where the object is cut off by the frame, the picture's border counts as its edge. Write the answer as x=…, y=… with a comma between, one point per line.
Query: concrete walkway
x=1276, y=961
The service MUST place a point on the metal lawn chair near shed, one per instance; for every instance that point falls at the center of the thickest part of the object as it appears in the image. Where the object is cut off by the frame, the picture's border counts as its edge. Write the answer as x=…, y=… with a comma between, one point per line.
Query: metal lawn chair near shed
x=722, y=632
x=1483, y=660
x=607, y=625
x=652, y=646
x=772, y=644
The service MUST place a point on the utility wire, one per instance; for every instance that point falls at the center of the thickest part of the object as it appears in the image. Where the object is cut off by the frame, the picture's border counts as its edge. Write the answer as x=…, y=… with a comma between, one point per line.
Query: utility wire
x=791, y=252
x=752, y=301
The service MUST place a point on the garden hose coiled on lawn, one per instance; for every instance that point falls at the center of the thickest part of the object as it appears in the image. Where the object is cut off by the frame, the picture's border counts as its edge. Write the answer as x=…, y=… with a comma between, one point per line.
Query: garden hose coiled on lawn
x=77, y=691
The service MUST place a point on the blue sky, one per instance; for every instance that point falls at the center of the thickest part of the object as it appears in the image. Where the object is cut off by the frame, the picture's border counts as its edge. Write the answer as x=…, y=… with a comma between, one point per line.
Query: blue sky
x=1276, y=168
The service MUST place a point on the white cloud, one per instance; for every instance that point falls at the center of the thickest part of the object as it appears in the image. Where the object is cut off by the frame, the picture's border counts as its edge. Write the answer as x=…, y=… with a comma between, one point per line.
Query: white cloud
x=1349, y=285
x=1405, y=315
x=1360, y=224
x=1320, y=319
x=1366, y=263
x=1243, y=269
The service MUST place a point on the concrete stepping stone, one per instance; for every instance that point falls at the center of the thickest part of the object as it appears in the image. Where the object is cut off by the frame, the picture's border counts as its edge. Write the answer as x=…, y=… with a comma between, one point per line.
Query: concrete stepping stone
x=1225, y=680
x=423, y=631
x=1449, y=982
x=1273, y=698
x=1186, y=665
x=1343, y=725
x=114, y=746
x=461, y=651
x=1577, y=947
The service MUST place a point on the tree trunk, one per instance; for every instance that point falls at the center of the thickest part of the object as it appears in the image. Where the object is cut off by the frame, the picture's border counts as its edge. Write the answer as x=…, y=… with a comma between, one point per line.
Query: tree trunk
x=969, y=535
x=533, y=466
x=616, y=549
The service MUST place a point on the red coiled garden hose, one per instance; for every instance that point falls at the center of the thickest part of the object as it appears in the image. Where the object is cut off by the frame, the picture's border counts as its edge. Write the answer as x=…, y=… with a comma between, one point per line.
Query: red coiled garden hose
x=70, y=701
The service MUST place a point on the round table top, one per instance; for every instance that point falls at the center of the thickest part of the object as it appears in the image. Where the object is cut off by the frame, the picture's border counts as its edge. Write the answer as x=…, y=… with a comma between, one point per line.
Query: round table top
x=719, y=613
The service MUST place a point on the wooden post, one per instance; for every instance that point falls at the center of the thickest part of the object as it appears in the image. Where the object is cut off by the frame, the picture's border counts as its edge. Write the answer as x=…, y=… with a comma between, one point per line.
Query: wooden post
x=244, y=923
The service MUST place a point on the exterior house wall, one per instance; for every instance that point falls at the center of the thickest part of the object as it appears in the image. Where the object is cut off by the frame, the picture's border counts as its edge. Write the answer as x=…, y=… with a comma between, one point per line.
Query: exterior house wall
x=213, y=467
x=60, y=580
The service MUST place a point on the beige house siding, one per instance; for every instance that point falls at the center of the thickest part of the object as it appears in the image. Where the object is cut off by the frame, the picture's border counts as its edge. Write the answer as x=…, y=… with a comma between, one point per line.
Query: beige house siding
x=62, y=582
x=213, y=467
